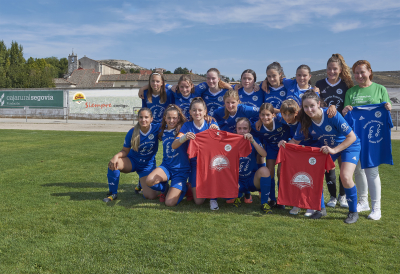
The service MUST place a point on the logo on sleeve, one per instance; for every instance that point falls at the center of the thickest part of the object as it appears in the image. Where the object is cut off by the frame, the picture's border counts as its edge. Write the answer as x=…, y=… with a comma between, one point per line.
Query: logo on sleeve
x=255, y=98
x=219, y=162
x=344, y=127
x=302, y=180
x=228, y=148
x=312, y=161
x=339, y=91
x=378, y=114
x=328, y=128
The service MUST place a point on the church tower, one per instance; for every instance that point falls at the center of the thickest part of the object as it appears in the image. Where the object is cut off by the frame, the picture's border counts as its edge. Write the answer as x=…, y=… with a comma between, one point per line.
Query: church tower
x=72, y=62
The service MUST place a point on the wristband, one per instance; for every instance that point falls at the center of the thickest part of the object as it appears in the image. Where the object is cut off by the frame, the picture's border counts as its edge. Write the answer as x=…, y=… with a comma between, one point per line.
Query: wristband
x=183, y=139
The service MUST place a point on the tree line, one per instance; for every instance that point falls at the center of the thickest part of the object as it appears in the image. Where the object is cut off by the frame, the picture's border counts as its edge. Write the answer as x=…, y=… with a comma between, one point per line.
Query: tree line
x=17, y=72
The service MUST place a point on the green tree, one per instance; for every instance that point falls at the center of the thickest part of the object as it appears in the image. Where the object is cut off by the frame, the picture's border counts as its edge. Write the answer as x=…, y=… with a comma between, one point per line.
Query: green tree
x=167, y=72
x=180, y=70
x=132, y=70
x=123, y=71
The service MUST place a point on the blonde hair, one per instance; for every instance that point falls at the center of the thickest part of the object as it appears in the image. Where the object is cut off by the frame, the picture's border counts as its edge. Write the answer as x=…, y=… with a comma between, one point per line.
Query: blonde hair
x=346, y=73
x=363, y=62
x=230, y=94
x=135, y=141
x=163, y=93
x=188, y=79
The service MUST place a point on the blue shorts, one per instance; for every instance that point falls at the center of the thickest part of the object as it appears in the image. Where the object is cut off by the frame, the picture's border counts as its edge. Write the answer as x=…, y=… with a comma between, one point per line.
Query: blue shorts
x=247, y=184
x=272, y=151
x=193, y=174
x=350, y=154
x=142, y=169
x=178, y=178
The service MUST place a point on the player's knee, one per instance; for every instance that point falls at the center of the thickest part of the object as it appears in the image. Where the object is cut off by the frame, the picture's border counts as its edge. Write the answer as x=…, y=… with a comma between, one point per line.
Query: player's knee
x=346, y=179
x=170, y=203
x=264, y=172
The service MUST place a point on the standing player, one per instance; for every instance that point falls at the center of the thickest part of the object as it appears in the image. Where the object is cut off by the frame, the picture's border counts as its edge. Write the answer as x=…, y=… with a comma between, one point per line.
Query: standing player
x=365, y=93
x=138, y=154
x=336, y=138
x=248, y=94
x=275, y=91
x=213, y=96
x=175, y=165
x=333, y=90
x=198, y=123
x=227, y=116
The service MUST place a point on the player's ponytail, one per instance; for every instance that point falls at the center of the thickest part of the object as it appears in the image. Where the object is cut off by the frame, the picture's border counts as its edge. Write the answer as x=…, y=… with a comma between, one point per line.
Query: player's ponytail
x=135, y=141
x=233, y=94
x=346, y=73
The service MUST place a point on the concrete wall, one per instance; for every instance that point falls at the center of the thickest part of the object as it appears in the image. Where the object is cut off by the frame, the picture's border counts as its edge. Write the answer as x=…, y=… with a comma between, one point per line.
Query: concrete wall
x=87, y=63
x=109, y=70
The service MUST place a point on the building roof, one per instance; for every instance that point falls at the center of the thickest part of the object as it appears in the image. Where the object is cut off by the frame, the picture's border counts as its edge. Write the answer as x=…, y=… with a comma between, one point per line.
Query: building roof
x=145, y=77
x=62, y=81
x=84, y=78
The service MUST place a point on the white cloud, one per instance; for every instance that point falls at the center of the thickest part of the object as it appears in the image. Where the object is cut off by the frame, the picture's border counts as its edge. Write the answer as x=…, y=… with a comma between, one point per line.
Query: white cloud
x=344, y=26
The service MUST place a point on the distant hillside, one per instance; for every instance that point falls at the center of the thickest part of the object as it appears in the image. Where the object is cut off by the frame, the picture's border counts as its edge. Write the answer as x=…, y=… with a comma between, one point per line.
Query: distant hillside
x=120, y=64
x=385, y=78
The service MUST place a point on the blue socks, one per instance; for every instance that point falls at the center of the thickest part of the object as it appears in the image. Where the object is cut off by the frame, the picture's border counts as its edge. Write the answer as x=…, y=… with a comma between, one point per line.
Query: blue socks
x=322, y=201
x=160, y=187
x=351, y=195
x=272, y=190
x=261, y=165
x=265, y=187
x=113, y=180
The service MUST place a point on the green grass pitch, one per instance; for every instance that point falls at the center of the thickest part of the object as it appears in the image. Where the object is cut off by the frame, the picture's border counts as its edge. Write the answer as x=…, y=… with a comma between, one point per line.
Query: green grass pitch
x=53, y=220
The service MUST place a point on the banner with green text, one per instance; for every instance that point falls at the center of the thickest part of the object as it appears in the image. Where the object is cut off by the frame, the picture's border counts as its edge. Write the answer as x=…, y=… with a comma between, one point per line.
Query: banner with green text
x=31, y=98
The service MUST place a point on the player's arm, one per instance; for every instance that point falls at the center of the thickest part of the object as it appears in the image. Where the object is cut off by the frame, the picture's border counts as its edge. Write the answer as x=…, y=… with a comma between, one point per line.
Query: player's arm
x=113, y=164
x=259, y=148
x=182, y=138
x=350, y=138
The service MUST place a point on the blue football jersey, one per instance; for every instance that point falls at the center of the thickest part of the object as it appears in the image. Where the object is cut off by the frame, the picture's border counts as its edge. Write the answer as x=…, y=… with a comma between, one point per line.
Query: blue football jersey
x=174, y=159
x=275, y=96
x=229, y=124
x=213, y=101
x=248, y=165
x=372, y=123
x=155, y=106
x=184, y=102
x=293, y=127
x=329, y=132
x=148, y=145
x=293, y=90
x=253, y=99
x=279, y=132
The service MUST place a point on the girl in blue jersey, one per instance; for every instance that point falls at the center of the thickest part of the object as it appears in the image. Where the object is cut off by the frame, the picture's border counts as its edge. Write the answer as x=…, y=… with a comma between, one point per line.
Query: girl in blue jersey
x=157, y=97
x=250, y=94
x=335, y=137
x=227, y=116
x=197, y=124
x=271, y=133
x=252, y=178
x=175, y=165
x=275, y=92
x=138, y=154
x=213, y=96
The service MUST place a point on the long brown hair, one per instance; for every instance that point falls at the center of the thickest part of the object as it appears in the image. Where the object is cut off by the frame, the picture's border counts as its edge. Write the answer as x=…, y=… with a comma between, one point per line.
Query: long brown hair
x=275, y=66
x=135, y=141
x=163, y=93
x=346, y=73
x=304, y=119
x=232, y=94
x=363, y=62
x=181, y=120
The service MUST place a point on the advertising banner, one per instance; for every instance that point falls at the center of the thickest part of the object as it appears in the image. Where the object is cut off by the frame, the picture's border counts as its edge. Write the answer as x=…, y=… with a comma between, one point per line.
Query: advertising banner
x=101, y=101
x=31, y=99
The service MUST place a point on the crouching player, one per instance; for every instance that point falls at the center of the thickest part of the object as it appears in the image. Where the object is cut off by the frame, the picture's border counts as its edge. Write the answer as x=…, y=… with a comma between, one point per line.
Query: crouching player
x=252, y=178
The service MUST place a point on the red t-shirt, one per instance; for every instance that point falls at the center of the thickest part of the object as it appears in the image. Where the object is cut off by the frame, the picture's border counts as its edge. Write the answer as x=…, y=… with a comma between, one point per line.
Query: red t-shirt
x=302, y=175
x=218, y=154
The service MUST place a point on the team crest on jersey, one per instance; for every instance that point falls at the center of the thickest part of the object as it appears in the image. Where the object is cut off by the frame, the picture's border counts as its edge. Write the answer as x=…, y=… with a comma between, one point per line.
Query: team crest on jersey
x=328, y=128
x=228, y=148
x=237, y=118
x=339, y=91
x=378, y=114
x=256, y=109
x=279, y=129
x=190, y=100
x=255, y=98
x=344, y=127
x=312, y=161
x=219, y=162
x=151, y=137
x=301, y=95
x=282, y=93
x=220, y=99
x=302, y=180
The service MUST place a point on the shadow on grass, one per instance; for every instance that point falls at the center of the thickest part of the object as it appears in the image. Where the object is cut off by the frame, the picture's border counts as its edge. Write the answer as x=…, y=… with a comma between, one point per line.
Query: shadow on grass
x=130, y=200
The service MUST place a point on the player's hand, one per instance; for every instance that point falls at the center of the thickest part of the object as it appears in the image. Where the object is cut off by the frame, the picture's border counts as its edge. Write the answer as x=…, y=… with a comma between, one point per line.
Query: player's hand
x=214, y=126
x=113, y=164
x=190, y=135
x=249, y=137
x=346, y=109
x=258, y=125
x=327, y=150
x=225, y=85
x=256, y=87
x=388, y=106
x=238, y=86
x=331, y=111
x=209, y=119
x=316, y=90
x=264, y=86
x=282, y=143
x=173, y=88
x=141, y=93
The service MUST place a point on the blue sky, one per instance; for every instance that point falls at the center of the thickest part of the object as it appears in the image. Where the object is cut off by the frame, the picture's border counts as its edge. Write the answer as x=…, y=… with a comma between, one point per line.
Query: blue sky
x=229, y=35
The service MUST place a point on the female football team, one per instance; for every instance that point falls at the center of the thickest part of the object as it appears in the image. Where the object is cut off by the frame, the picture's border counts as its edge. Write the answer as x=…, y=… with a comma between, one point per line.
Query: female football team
x=277, y=111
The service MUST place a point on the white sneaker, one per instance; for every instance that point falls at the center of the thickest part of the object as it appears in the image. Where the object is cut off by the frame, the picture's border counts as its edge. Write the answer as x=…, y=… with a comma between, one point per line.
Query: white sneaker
x=375, y=214
x=295, y=210
x=362, y=206
x=309, y=212
x=214, y=205
x=343, y=201
x=332, y=202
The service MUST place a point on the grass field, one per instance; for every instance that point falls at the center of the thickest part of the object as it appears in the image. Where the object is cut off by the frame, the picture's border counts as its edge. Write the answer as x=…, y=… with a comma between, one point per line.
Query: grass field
x=53, y=220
